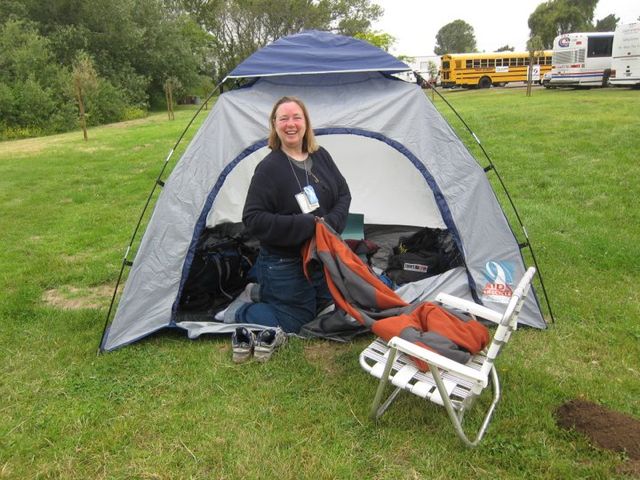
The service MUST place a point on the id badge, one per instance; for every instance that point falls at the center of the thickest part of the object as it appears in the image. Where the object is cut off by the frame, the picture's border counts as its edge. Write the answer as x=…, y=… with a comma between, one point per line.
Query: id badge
x=310, y=193
x=301, y=198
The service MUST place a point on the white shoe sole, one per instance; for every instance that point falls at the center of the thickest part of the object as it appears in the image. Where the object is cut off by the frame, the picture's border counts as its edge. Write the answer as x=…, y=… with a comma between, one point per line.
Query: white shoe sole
x=241, y=356
x=263, y=354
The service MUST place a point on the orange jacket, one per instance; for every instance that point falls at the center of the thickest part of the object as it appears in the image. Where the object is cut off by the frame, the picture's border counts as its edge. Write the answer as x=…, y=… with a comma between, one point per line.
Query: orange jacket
x=359, y=292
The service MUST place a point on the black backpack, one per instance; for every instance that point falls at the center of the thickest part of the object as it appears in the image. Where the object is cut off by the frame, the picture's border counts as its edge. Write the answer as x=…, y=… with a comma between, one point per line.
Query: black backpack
x=428, y=252
x=218, y=273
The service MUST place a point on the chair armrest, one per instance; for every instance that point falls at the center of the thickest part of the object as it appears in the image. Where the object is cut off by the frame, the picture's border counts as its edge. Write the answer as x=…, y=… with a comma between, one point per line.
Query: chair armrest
x=469, y=307
x=438, y=360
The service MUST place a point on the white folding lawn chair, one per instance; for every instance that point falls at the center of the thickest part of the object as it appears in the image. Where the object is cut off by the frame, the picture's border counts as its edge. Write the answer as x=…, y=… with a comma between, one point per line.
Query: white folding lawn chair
x=448, y=383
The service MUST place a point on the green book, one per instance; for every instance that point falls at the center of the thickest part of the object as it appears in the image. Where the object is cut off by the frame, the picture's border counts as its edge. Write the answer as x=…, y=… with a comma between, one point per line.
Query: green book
x=354, y=229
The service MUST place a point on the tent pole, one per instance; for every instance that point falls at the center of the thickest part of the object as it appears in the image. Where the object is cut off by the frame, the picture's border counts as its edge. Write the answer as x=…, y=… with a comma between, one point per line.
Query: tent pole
x=125, y=261
x=504, y=187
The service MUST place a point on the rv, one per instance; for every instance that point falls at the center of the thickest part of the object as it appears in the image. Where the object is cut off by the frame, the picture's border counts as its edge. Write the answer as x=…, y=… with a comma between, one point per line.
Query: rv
x=625, y=62
x=581, y=59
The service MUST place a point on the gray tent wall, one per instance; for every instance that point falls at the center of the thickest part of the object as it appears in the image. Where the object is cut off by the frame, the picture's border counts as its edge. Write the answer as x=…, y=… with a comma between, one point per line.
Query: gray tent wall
x=404, y=165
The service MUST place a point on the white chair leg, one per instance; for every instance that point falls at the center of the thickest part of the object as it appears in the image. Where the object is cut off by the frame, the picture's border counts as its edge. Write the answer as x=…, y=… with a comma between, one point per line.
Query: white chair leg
x=376, y=410
x=377, y=413
x=453, y=415
x=495, y=386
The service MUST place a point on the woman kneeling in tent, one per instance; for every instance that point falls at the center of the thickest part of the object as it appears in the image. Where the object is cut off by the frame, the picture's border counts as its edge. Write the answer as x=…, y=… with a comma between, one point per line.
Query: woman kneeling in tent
x=295, y=183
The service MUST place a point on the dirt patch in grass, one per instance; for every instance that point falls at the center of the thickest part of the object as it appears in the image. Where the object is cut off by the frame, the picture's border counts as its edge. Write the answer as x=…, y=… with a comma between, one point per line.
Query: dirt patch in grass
x=128, y=123
x=323, y=354
x=29, y=146
x=141, y=147
x=93, y=148
x=74, y=298
x=606, y=429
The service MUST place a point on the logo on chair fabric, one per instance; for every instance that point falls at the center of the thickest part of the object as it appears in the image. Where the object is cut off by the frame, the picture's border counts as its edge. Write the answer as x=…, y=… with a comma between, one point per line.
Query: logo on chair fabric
x=499, y=286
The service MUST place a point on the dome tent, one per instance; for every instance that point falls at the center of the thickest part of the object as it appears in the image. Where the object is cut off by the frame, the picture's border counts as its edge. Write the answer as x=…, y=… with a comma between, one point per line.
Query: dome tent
x=404, y=164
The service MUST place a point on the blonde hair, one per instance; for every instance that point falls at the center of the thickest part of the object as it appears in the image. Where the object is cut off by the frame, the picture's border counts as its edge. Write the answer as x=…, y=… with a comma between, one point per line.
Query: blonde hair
x=309, y=143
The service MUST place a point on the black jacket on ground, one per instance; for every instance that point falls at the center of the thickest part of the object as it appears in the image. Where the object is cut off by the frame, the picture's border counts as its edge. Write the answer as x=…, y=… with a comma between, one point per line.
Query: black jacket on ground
x=271, y=212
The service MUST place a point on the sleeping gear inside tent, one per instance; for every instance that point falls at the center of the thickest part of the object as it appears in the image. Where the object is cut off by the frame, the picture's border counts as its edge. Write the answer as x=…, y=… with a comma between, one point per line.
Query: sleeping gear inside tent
x=357, y=291
x=406, y=169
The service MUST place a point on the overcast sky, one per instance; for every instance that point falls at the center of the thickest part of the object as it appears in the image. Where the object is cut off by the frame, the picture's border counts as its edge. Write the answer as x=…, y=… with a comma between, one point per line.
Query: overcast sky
x=414, y=23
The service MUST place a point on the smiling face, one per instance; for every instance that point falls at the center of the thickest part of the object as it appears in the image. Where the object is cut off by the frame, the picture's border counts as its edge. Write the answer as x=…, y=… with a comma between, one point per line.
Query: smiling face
x=290, y=125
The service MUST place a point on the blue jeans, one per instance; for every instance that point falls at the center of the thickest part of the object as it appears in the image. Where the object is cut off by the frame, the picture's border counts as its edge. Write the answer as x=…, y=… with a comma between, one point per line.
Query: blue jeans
x=287, y=299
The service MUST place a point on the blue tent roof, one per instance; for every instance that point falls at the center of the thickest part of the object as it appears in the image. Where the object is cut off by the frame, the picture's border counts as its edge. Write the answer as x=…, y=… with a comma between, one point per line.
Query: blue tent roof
x=313, y=51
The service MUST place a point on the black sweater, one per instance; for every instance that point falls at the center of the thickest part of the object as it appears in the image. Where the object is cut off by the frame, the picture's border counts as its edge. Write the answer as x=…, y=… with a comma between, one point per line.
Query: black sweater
x=271, y=212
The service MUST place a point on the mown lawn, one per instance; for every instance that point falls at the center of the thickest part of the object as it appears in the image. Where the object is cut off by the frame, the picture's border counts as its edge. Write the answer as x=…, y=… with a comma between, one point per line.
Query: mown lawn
x=168, y=407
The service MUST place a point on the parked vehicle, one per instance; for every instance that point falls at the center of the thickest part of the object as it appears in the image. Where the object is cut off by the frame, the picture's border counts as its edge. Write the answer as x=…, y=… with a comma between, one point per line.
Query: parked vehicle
x=625, y=63
x=484, y=70
x=582, y=59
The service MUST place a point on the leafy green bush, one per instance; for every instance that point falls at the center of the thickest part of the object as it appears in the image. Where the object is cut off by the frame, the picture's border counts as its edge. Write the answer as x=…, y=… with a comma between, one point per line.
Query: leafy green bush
x=105, y=104
x=35, y=103
x=133, y=86
x=65, y=116
x=14, y=133
x=133, y=113
x=7, y=103
x=36, y=93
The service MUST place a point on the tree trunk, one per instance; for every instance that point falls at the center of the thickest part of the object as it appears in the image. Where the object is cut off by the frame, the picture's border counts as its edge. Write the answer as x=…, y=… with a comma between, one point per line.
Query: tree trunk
x=171, y=103
x=167, y=95
x=83, y=120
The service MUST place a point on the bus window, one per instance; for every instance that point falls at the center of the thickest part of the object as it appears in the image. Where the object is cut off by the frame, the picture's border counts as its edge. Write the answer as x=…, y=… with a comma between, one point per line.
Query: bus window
x=445, y=64
x=476, y=64
x=492, y=63
x=469, y=63
x=599, y=46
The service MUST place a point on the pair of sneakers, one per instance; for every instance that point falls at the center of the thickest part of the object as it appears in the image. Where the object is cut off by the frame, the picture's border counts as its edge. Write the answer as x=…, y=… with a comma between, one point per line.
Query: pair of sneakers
x=244, y=343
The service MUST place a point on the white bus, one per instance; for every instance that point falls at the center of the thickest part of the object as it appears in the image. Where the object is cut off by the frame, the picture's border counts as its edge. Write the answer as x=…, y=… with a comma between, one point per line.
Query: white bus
x=581, y=59
x=625, y=62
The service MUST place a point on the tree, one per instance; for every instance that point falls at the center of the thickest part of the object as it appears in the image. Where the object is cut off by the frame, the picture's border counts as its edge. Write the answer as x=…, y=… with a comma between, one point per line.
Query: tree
x=351, y=17
x=432, y=69
x=171, y=85
x=205, y=88
x=607, y=24
x=379, y=39
x=505, y=48
x=34, y=96
x=455, y=37
x=84, y=80
x=555, y=17
x=133, y=42
x=237, y=28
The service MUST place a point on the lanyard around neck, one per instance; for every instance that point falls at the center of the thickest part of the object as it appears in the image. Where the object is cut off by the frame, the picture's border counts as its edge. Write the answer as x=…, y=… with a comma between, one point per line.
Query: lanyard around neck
x=306, y=171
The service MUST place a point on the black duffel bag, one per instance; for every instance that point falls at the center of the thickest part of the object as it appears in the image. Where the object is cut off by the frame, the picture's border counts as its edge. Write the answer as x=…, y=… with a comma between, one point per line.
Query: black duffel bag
x=428, y=252
x=218, y=273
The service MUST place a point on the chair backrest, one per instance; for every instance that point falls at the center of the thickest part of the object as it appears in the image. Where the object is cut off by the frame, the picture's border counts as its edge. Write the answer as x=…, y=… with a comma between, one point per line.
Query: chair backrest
x=509, y=320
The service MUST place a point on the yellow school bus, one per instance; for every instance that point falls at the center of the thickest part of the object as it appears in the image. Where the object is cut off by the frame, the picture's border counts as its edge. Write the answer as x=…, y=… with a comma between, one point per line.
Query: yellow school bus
x=486, y=69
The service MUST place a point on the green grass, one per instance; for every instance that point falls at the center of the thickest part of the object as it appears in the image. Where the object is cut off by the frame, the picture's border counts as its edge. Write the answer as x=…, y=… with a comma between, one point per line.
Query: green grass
x=168, y=407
